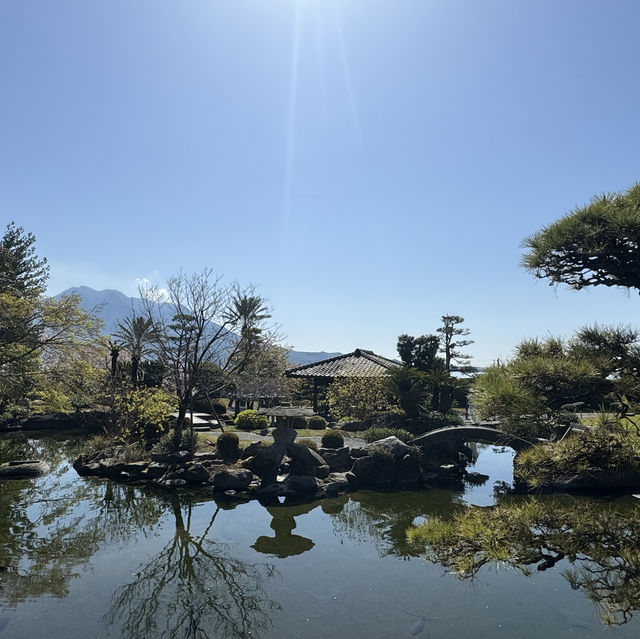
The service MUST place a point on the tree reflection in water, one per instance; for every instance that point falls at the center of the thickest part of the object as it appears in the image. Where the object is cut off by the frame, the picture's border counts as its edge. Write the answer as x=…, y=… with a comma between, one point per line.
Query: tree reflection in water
x=51, y=526
x=599, y=541
x=193, y=588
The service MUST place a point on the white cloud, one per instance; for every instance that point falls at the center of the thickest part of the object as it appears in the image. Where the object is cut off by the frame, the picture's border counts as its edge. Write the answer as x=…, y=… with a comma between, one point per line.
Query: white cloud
x=147, y=288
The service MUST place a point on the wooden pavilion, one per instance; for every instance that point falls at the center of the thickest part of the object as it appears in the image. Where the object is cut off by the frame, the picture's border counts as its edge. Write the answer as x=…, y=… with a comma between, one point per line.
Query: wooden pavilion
x=359, y=363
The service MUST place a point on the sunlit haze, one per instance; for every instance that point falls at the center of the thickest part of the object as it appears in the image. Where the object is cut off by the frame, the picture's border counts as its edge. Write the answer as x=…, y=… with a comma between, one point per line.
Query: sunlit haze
x=369, y=165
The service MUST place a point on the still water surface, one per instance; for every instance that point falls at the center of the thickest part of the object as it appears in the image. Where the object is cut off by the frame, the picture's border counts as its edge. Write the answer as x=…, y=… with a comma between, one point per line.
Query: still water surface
x=84, y=557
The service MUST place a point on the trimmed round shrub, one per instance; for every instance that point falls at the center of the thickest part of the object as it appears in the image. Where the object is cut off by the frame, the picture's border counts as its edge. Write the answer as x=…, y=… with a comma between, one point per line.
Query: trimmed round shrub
x=332, y=439
x=299, y=422
x=219, y=406
x=309, y=443
x=317, y=422
x=228, y=445
x=374, y=434
x=248, y=420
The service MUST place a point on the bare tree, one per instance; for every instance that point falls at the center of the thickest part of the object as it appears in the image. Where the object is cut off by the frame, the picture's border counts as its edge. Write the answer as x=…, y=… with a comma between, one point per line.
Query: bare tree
x=196, y=322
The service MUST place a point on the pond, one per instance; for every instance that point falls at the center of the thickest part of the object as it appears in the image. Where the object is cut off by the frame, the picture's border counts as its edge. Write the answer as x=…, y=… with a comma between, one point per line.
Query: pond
x=89, y=557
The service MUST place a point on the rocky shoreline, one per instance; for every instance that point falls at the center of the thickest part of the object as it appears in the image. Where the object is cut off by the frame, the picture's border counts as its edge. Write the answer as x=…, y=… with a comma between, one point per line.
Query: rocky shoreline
x=265, y=472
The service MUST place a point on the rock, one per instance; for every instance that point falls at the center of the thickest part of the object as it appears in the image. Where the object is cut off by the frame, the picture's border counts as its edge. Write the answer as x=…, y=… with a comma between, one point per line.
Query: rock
x=195, y=473
x=173, y=483
x=202, y=457
x=595, y=480
x=409, y=471
x=92, y=468
x=301, y=484
x=338, y=459
x=363, y=471
x=171, y=458
x=263, y=465
x=305, y=461
x=110, y=467
x=358, y=452
x=382, y=469
x=270, y=492
x=253, y=449
x=353, y=426
x=428, y=477
x=135, y=470
x=336, y=482
x=396, y=448
x=156, y=469
x=22, y=468
x=232, y=479
x=385, y=420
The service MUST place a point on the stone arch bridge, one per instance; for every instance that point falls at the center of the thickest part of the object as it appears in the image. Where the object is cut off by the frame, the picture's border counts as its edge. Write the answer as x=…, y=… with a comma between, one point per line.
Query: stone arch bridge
x=454, y=434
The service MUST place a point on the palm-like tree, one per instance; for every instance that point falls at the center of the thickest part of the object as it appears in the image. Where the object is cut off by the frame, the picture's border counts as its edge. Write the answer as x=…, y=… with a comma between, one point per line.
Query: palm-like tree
x=247, y=311
x=136, y=334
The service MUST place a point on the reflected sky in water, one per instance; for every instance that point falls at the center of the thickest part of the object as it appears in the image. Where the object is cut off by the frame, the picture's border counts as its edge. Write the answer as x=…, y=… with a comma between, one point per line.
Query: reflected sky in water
x=87, y=557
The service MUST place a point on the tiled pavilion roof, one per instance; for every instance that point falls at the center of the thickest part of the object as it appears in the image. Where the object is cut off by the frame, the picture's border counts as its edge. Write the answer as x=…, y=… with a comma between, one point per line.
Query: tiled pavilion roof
x=360, y=363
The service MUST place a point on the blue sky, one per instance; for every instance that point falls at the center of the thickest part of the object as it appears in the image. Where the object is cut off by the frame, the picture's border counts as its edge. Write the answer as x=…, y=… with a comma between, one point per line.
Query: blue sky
x=370, y=165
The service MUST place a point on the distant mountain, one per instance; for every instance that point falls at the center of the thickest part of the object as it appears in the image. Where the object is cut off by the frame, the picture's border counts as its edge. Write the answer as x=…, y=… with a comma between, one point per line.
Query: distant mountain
x=113, y=306
x=299, y=358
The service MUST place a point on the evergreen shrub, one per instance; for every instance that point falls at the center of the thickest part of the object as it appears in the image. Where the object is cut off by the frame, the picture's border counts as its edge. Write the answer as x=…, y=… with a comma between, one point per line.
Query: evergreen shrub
x=332, y=439
x=228, y=446
x=317, y=422
x=248, y=420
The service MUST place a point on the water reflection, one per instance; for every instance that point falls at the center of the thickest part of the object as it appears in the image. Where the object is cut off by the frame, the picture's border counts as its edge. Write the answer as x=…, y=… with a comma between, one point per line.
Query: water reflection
x=383, y=518
x=598, y=541
x=193, y=587
x=52, y=526
x=58, y=532
x=284, y=543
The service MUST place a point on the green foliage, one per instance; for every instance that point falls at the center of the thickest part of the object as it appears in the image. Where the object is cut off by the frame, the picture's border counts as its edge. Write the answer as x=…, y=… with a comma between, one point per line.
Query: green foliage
x=136, y=335
x=420, y=352
x=452, y=342
x=228, y=446
x=309, y=443
x=358, y=397
x=35, y=332
x=332, y=439
x=80, y=380
x=317, y=422
x=248, y=420
x=408, y=386
x=219, y=406
x=499, y=393
x=591, y=246
x=601, y=448
x=50, y=400
x=599, y=366
x=142, y=413
x=374, y=434
x=599, y=543
x=22, y=273
x=299, y=422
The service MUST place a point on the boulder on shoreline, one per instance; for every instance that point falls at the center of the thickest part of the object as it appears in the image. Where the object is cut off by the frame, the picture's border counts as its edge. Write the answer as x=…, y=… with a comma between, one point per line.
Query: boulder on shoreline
x=23, y=469
x=302, y=472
